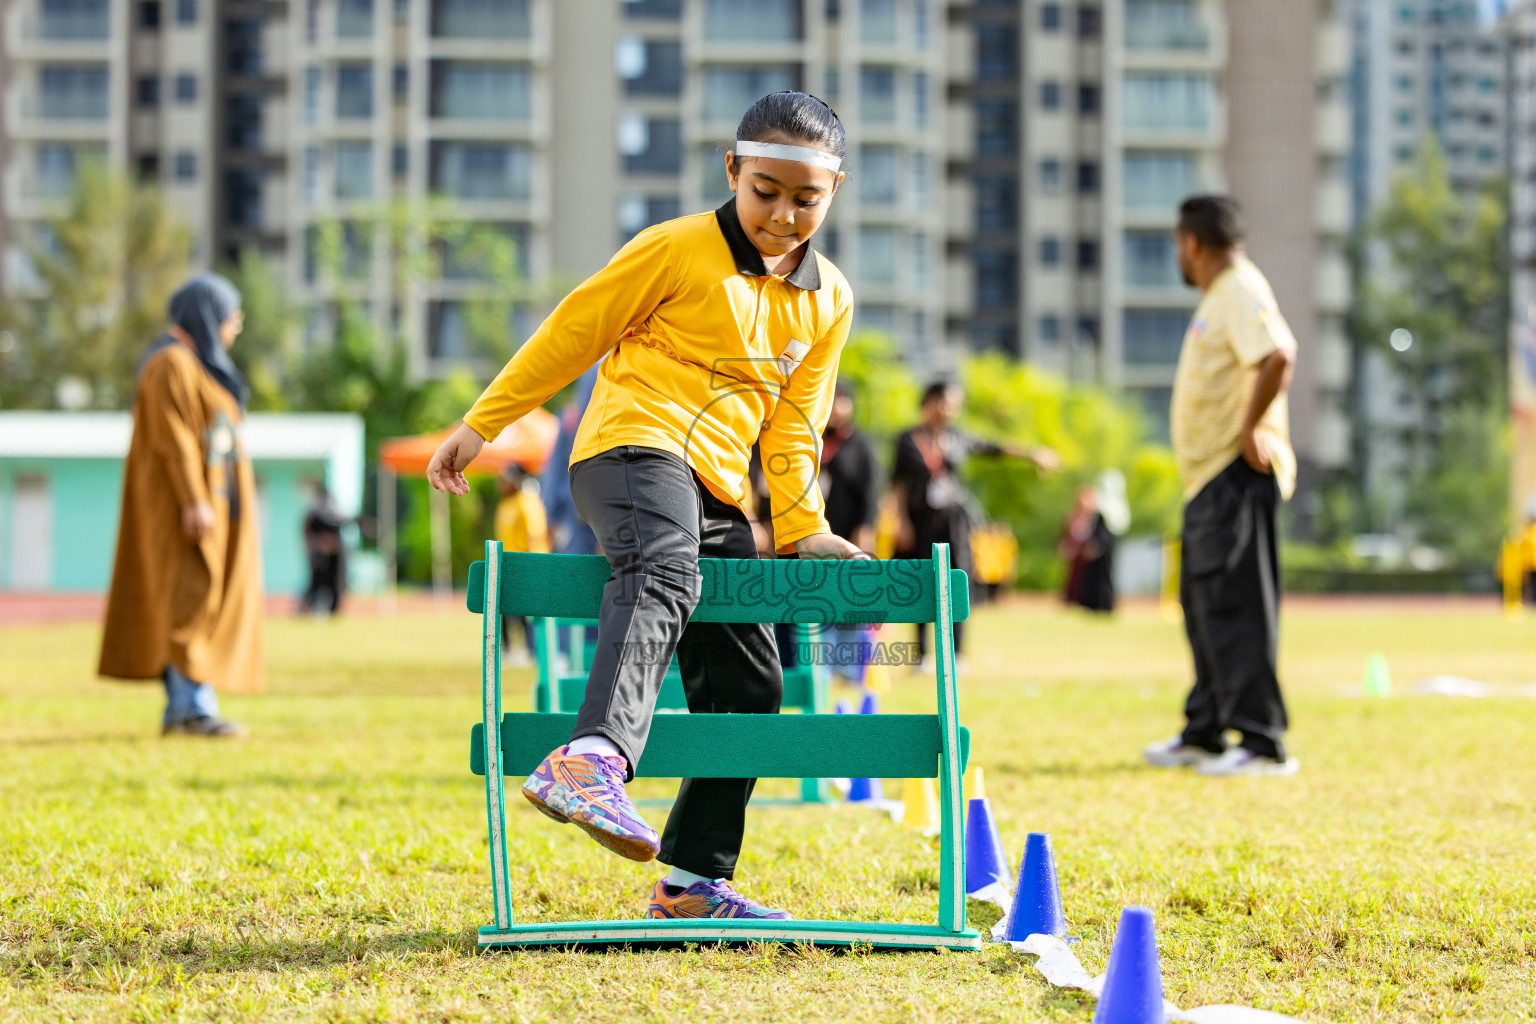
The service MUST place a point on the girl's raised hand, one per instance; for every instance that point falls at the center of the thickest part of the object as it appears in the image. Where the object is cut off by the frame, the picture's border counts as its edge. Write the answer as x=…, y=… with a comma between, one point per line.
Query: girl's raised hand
x=827, y=545
x=446, y=470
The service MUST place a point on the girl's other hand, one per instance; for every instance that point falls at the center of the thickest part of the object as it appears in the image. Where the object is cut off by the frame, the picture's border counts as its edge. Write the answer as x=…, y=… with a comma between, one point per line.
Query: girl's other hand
x=446, y=470
x=197, y=520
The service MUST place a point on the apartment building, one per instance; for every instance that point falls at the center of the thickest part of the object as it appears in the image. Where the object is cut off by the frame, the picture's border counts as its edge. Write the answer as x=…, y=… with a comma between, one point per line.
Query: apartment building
x=1090, y=122
x=1519, y=29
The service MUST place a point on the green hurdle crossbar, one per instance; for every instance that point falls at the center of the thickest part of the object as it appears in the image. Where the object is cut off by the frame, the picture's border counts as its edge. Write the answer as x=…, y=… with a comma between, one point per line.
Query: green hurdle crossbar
x=738, y=746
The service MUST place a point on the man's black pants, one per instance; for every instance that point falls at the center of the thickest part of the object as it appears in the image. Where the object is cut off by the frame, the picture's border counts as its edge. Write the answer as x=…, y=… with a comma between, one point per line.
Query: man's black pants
x=1230, y=588
x=654, y=519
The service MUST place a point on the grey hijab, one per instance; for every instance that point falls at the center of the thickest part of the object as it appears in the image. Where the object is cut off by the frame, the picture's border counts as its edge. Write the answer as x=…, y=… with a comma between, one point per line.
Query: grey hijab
x=198, y=308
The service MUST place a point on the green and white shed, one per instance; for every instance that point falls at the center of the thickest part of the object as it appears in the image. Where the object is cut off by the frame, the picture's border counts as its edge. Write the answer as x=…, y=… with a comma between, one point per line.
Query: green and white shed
x=61, y=481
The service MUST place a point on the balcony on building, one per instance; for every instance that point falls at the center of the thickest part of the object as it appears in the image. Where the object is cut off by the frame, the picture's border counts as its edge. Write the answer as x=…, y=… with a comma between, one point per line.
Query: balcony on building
x=1155, y=182
x=1178, y=25
x=481, y=19
x=354, y=19
x=1149, y=264
x=1169, y=105
x=481, y=171
x=70, y=93
x=753, y=21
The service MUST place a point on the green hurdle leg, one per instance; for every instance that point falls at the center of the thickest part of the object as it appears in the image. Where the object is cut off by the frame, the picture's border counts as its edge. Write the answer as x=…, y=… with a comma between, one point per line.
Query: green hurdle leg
x=952, y=847
x=490, y=685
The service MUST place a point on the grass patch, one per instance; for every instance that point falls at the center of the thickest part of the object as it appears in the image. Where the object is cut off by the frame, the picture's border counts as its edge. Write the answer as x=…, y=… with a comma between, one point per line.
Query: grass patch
x=332, y=868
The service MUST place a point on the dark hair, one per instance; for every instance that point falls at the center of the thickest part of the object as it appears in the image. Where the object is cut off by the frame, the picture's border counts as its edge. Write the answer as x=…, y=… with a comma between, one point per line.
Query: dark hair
x=1216, y=222
x=842, y=389
x=936, y=389
x=799, y=117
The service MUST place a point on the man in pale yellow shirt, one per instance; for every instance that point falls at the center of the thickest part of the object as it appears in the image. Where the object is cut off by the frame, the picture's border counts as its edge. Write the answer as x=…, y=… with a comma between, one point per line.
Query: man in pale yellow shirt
x=1231, y=440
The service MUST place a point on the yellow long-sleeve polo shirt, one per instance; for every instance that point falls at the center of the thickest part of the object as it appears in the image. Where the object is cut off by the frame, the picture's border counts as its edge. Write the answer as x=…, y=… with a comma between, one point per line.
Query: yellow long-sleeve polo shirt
x=707, y=354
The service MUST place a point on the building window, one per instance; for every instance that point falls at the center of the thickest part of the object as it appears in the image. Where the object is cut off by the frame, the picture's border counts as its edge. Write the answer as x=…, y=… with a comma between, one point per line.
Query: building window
x=242, y=46
x=1152, y=337
x=1050, y=175
x=242, y=115
x=752, y=21
x=636, y=213
x=1087, y=255
x=1165, y=25
x=920, y=260
x=997, y=53
x=1049, y=329
x=997, y=277
x=879, y=176
x=878, y=256
x=649, y=67
x=311, y=176
x=651, y=146
x=1088, y=100
x=73, y=93
x=400, y=162
x=922, y=28
x=186, y=88
x=481, y=90
x=242, y=198
x=312, y=80
x=354, y=19
x=149, y=92
x=1405, y=117
x=670, y=10
x=877, y=22
x=149, y=15
x=1405, y=83
x=996, y=128
x=186, y=12
x=922, y=182
x=354, y=91
x=1168, y=101
x=149, y=167
x=1150, y=261
x=1050, y=251
x=1087, y=178
x=729, y=90
x=1090, y=22
x=877, y=95
x=1050, y=95
x=920, y=103
x=832, y=82
x=1155, y=180
x=1087, y=331
x=481, y=19
x=1050, y=17
x=1487, y=155
x=482, y=170
x=186, y=166
x=402, y=83
x=996, y=203
x=353, y=170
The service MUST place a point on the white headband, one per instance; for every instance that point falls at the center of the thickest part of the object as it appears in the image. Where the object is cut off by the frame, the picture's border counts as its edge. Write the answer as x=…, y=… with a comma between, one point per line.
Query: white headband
x=799, y=154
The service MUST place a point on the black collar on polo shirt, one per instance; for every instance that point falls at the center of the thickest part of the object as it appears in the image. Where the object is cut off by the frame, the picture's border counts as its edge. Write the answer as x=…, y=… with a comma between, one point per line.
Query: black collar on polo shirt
x=806, y=276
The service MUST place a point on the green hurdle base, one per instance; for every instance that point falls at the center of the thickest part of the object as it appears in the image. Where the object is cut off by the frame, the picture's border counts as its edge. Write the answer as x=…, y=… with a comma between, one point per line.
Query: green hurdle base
x=658, y=930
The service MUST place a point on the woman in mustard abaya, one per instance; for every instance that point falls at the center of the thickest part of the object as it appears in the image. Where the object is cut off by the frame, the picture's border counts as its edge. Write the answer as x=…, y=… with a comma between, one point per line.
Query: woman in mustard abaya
x=186, y=600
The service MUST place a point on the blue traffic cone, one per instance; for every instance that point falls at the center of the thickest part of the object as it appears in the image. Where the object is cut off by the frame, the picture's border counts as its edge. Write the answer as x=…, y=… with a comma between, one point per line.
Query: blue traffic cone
x=1133, y=983
x=844, y=707
x=867, y=789
x=1037, y=899
x=984, y=859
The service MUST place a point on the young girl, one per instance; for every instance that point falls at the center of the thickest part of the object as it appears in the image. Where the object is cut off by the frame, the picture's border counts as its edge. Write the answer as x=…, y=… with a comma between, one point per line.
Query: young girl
x=720, y=330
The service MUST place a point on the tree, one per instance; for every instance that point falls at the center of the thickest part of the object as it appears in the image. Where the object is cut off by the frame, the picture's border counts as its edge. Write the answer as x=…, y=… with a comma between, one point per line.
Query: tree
x=107, y=264
x=1442, y=276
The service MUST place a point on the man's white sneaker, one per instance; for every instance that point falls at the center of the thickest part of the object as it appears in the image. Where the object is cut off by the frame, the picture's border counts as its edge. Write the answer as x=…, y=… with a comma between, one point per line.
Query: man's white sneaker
x=1175, y=753
x=1239, y=761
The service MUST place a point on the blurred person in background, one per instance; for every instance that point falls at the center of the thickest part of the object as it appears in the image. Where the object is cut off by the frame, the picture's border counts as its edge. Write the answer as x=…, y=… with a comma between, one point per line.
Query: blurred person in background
x=933, y=504
x=327, y=554
x=1231, y=440
x=850, y=484
x=568, y=535
x=185, y=605
x=520, y=526
x=1087, y=542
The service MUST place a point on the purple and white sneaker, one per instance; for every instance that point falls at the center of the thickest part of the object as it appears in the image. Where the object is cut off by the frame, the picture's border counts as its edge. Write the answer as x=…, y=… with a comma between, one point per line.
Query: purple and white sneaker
x=587, y=790
x=713, y=898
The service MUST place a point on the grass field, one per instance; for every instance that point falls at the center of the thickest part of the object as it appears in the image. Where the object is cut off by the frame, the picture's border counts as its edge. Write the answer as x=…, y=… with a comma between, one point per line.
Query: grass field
x=332, y=867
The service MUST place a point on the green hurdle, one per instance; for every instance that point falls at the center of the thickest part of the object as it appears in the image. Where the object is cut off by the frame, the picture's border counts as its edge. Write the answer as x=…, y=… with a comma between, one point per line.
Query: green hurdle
x=734, y=746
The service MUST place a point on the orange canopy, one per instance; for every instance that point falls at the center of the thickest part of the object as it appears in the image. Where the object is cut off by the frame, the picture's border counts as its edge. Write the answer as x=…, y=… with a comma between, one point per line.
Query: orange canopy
x=526, y=442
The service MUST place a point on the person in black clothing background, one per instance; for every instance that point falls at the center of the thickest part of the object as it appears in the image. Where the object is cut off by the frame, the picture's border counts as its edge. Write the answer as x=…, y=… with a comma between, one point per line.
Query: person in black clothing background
x=327, y=554
x=850, y=475
x=932, y=502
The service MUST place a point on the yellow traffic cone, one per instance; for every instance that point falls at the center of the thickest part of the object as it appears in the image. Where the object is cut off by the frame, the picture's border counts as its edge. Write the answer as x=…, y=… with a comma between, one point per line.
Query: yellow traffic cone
x=974, y=785
x=920, y=803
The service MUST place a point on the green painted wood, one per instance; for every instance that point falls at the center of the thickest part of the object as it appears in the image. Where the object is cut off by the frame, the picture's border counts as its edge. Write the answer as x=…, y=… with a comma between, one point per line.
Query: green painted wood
x=835, y=933
x=735, y=590
x=951, y=757
x=748, y=746
x=489, y=750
